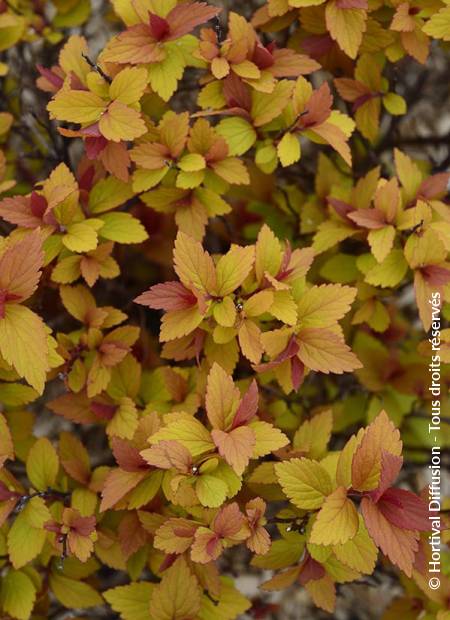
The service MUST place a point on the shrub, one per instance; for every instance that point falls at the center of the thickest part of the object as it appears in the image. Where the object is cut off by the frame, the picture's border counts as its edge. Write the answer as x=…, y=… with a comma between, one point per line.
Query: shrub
x=218, y=268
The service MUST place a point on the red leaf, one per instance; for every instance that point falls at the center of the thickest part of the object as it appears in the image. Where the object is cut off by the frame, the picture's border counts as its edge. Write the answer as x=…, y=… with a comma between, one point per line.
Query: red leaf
x=167, y=296
x=248, y=406
x=297, y=373
x=185, y=17
x=159, y=26
x=311, y=571
x=399, y=545
x=390, y=468
x=318, y=107
x=20, y=266
x=127, y=456
x=434, y=186
x=404, y=509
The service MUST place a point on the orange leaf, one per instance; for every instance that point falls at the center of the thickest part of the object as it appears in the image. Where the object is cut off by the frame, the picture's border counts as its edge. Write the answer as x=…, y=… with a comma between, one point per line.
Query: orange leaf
x=400, y=546
x=323, y=351
x=20, y=267
x=236, y=446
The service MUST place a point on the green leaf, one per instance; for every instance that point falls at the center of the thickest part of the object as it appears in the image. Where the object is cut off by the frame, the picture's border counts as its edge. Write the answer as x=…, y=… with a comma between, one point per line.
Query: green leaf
x=394, y=104
x=123, y=228
x=108, y=194
x=42, y=465
x=231, y=604
x=305, y=482
x=17, y=595
x=26, y=537
x=282, y=553
x=23, y=344
x=132, y=602
x=387, y=274
x=74, y=594
x=238, y=133
x=16, y=394
x=211, y=491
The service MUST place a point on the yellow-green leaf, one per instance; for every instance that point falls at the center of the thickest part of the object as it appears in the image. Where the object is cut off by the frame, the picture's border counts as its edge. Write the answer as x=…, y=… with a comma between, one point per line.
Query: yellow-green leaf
x=306, y=483
x=337, y=521
x=23, y=344
x=42, y=465
x=132, y=602
x=17, y=595
x=123, y=228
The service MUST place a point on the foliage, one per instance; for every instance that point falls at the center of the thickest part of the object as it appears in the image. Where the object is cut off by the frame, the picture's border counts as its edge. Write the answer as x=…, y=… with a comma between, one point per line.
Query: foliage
x=211, y=243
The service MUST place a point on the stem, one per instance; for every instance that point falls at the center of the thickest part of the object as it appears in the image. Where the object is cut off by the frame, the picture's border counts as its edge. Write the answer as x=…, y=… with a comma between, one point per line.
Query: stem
x=99, y=70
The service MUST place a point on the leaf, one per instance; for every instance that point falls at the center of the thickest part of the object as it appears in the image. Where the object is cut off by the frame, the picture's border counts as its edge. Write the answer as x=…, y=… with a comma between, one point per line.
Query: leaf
x=74, y=457
x=177, y=596
x=438, y=25
x=80, y=237
x=233, y=268
x=119, y=483
x=17, y=594
x=235, y=446
x=6, y=443
x=125, y=420
x=306, y=483
x=108, y=194
x=189, y=432
x=122, y=227
x=121, y=122
x=27, y=536
x=225, y=312
x=167, y=296
x=380, y=435
x=74, y=594
x=42, y=465
x=399, y=545
x=20, y=267
x=179, y=323
x=164, y=75
x=337, y=521
x=321, y=306
x=394, y=104
x=78, y=301
x=193, y=265
x=250, y=341
x=23, y=344
x=129, y=85
x=288, y=149
x=76, y=106
x=266, y=107
x=381, y=242
x=185, y=17
x=390, y=272
x=211, y=491
x=192, y=162
x=175, y=535
x=238, y=133
x=231, y=604
x=323, y=593
x=222, y=398
x=268, y=255
x=323, y=351
x=281, y=581
x=346, y=26
x=268, y=438
x=402, y=508
x=359, y=553
x=131, y=601
x=232, y=170
x=314, y=434
x=282, y=553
